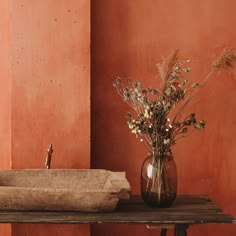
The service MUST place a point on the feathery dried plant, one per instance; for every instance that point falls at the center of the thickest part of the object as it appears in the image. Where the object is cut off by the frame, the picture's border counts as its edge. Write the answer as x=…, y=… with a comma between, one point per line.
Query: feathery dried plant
x=226, y=59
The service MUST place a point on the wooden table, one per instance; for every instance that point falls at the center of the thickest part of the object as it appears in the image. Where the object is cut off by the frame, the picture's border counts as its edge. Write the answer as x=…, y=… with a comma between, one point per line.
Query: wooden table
x=187, y=210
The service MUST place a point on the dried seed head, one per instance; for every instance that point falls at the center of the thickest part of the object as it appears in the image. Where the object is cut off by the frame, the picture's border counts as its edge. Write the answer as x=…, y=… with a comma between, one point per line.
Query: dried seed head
x=166, y=67
x=226, y=60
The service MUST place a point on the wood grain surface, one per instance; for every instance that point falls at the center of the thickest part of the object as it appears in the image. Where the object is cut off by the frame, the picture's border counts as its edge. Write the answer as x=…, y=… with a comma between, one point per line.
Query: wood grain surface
x=186, y=210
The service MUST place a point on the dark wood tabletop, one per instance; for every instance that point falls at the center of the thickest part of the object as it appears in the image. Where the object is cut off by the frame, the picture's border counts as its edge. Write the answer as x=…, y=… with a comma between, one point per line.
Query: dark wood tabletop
x=187, y=210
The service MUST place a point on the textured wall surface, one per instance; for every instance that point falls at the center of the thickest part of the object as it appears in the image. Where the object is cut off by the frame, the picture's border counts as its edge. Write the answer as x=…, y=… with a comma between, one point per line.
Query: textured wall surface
x=5, y=95
x=128, y=39
x=50, y=91
x=45, y=81
x=5, y=79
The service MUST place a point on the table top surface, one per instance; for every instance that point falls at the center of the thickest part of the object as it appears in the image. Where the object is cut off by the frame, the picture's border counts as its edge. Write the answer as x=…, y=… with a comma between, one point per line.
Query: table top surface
x=187, y=209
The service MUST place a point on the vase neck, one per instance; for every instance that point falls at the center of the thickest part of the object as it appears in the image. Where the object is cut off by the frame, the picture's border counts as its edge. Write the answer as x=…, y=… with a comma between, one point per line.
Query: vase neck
x=156, y=155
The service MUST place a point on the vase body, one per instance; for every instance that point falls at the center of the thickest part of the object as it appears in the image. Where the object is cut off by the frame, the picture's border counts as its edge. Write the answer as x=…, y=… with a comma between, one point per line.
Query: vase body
x=159, y=182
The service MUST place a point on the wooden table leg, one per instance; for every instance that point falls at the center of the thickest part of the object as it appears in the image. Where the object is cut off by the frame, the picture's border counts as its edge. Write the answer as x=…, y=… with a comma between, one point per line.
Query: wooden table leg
x=181, y=230
x=163, y=232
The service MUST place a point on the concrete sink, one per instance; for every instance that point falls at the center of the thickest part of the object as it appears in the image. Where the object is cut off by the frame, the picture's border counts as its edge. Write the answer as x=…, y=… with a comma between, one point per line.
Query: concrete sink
x=62, y=190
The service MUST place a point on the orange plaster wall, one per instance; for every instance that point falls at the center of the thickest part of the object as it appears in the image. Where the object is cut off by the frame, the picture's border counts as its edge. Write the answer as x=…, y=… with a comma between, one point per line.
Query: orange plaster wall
x=128, y=39
x=5, y=95
x=5, y=80
x=50, y=91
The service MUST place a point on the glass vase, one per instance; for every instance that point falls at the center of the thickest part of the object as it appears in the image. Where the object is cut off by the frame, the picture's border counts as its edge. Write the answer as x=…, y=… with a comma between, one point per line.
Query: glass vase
x=159, y=182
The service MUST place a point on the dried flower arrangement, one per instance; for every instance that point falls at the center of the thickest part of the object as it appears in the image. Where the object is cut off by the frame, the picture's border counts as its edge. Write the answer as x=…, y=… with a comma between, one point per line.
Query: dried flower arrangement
x=154, y=108
x=158, y=121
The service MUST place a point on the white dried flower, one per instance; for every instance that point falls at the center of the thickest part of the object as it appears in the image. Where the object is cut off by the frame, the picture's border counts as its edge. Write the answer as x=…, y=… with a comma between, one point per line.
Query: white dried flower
x=131, y=126
x=166, y=141
x=134, y=131
x=146, y=115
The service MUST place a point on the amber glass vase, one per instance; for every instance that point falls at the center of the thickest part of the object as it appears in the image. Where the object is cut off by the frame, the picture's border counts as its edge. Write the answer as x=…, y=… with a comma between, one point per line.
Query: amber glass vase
x=159, y=181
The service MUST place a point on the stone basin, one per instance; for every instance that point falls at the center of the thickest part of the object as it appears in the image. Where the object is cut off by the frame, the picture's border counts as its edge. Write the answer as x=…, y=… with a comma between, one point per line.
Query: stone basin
x=88, y=190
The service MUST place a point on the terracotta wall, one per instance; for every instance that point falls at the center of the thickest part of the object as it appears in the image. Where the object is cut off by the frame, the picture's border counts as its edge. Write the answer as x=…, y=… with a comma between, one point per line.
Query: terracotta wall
x=5, y=80
x=128, y=39
x=50, y=48
x=5, y=96
x=49, y=56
